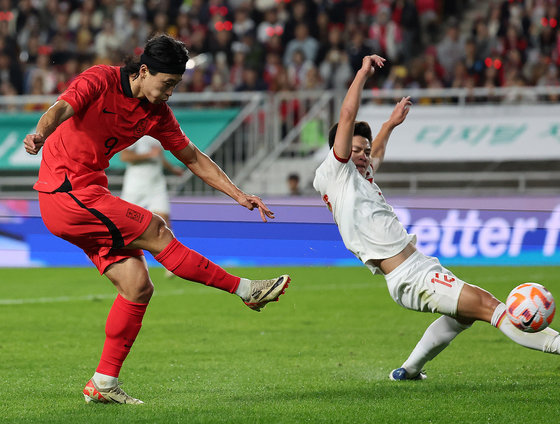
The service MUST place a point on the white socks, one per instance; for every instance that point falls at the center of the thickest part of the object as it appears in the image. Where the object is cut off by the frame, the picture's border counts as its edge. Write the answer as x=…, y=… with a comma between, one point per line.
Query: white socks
x=244, y=289
x=436, y=338
x=103, y=381
x=547, y=340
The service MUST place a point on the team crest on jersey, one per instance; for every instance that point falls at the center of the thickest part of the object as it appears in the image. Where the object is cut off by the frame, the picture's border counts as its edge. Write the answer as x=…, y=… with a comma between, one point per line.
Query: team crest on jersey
x=140, y=128
x=134, y=215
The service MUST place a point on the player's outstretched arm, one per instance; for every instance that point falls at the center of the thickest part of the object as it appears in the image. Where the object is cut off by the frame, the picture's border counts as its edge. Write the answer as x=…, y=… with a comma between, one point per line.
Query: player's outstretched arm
x=379, y=143
x=349, y=109
x=51, y=119
x=207, y=170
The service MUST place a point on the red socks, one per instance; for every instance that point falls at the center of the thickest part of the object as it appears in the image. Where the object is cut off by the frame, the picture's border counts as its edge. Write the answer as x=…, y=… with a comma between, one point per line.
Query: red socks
x=123, y=324
x=191, y=265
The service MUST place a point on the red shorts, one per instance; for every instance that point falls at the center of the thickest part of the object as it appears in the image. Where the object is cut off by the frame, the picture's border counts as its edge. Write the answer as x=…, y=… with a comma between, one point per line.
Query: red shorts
x=96, y=221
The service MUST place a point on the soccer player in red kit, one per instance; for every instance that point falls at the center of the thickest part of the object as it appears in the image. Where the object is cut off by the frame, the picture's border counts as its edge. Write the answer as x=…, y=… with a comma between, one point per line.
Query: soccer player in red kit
x=103, y=111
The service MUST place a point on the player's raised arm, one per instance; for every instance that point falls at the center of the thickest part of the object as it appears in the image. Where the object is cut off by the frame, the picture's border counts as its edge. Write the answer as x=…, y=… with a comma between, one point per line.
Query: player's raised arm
x=379, y=143
x=207, y=170
x=51, y=119
x=349, y=109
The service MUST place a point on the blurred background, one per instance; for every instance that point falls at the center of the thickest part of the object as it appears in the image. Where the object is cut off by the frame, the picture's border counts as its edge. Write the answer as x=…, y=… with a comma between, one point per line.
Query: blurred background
x=474, y=171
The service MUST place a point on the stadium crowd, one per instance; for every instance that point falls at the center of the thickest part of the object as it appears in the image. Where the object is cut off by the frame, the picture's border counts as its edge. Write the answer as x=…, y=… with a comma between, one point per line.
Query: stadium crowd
x=278, y=45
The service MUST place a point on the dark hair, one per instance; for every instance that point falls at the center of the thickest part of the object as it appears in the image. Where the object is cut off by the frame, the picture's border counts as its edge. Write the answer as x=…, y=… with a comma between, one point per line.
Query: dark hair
x=164, y=49
x=361, y=128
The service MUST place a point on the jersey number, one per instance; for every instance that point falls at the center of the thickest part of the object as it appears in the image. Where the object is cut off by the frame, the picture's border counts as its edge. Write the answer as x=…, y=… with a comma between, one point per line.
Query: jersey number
x=110, y=143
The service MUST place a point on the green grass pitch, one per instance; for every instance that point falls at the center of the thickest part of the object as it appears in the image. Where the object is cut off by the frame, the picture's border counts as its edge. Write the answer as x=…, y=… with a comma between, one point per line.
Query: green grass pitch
x=320, y=355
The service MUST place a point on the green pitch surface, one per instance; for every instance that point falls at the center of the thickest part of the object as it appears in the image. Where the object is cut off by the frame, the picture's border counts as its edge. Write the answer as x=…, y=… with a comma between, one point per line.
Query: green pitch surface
x=322, y=354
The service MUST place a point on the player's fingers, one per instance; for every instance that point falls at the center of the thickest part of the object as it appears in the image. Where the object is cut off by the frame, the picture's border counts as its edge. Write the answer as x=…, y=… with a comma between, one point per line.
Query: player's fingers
x=263, y=208
x=30, y=146
x=378, y=60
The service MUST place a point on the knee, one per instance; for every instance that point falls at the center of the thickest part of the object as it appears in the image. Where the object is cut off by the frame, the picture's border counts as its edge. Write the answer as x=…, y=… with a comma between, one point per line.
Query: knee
x=140, y=291
x=156, y=237
x=146, y=292
x=136, y=287
x=476, y=304
x=159, y=227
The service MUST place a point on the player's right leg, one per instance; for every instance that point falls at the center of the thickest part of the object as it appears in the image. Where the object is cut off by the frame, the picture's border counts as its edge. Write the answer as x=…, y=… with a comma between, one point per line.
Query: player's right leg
x=130, y=277
x=191, y=265
x=479, y=304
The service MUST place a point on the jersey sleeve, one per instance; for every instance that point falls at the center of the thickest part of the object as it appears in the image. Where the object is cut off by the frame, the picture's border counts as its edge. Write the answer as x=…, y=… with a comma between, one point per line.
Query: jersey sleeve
x=328, y=172
x=168, y=131
x=85, y=88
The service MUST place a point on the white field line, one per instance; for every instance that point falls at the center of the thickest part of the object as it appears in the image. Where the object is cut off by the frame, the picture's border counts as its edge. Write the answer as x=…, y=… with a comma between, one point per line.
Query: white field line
x=60, y=299
x=375, y=283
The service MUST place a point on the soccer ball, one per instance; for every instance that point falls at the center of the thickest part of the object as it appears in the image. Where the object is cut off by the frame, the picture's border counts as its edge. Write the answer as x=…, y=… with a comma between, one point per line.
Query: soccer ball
x=530, y=307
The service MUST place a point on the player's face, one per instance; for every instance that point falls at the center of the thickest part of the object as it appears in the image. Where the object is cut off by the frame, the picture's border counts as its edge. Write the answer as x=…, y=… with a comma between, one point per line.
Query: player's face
x=361, y=150
x=158, y=88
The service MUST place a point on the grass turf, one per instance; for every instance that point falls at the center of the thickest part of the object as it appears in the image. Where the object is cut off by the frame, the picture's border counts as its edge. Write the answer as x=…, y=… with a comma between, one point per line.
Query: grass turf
x=322, y=354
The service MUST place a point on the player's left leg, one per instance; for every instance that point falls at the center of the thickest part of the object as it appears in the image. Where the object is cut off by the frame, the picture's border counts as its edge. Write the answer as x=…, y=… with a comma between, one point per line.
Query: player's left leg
x=165, y=216
x=436, y=338
x=422, y=284
x=191, y=265
x=130, y=277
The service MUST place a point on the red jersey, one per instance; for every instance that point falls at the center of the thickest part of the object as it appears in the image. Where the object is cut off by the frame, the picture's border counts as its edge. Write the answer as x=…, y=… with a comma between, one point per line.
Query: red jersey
x=106, y=120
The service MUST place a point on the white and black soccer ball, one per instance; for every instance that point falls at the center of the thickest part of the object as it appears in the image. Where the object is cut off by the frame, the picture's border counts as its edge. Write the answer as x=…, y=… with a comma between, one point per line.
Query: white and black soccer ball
x=530, y=307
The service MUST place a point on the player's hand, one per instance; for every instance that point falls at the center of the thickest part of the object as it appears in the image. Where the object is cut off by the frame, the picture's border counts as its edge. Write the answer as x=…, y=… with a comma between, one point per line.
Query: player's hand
x=155, y=152
x=400, y=111
x=33, y=143
x=370, y=62
x=252, y=202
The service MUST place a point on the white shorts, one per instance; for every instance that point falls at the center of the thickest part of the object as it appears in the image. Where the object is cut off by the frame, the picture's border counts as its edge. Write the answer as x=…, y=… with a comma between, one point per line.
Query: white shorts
x=422, y=284
x=148, y=190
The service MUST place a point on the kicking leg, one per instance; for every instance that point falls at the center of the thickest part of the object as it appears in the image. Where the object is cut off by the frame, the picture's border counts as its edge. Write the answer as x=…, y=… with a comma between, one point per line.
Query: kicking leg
x=547, y=340
x=191, y=265
x=479, y=304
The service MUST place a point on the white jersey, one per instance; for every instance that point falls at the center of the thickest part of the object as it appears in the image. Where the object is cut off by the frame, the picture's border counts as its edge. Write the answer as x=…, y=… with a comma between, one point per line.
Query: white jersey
x=366, y=222
x=144, y=183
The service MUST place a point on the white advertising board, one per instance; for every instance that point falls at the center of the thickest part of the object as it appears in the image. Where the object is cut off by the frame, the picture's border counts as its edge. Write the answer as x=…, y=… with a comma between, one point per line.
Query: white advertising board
x=471, y=133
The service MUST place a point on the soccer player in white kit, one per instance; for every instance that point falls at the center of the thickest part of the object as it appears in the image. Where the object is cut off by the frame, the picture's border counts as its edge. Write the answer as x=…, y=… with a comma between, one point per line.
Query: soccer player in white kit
x=371, y=231
x=144, y=182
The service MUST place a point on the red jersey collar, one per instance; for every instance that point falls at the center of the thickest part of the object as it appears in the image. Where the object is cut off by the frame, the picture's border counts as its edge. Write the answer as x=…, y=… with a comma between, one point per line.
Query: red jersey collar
x=125, y=83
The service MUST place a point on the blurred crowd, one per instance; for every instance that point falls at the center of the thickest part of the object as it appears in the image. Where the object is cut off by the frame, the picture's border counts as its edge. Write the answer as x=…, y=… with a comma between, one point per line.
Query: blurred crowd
x=278, y=45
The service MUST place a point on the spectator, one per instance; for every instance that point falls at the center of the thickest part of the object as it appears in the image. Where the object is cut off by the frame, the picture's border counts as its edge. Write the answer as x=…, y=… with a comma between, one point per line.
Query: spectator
x=270, y=26
x=251, y=81
x=10, y=73
x=335, y=41
x=302, y=41
x=242, y=23
x=450, y=49
x=91, y=13
x=108, y=43
x=7, y=90
x=297, y=69
x=385, y=36
x=357, y=49
x=301, y=12
x=293, y=184
x=335, y=70
x=42, y=72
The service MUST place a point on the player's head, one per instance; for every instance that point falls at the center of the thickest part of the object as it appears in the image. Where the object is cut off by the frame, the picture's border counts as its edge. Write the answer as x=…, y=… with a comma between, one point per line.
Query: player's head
x=160, y=68
x=361, y=144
